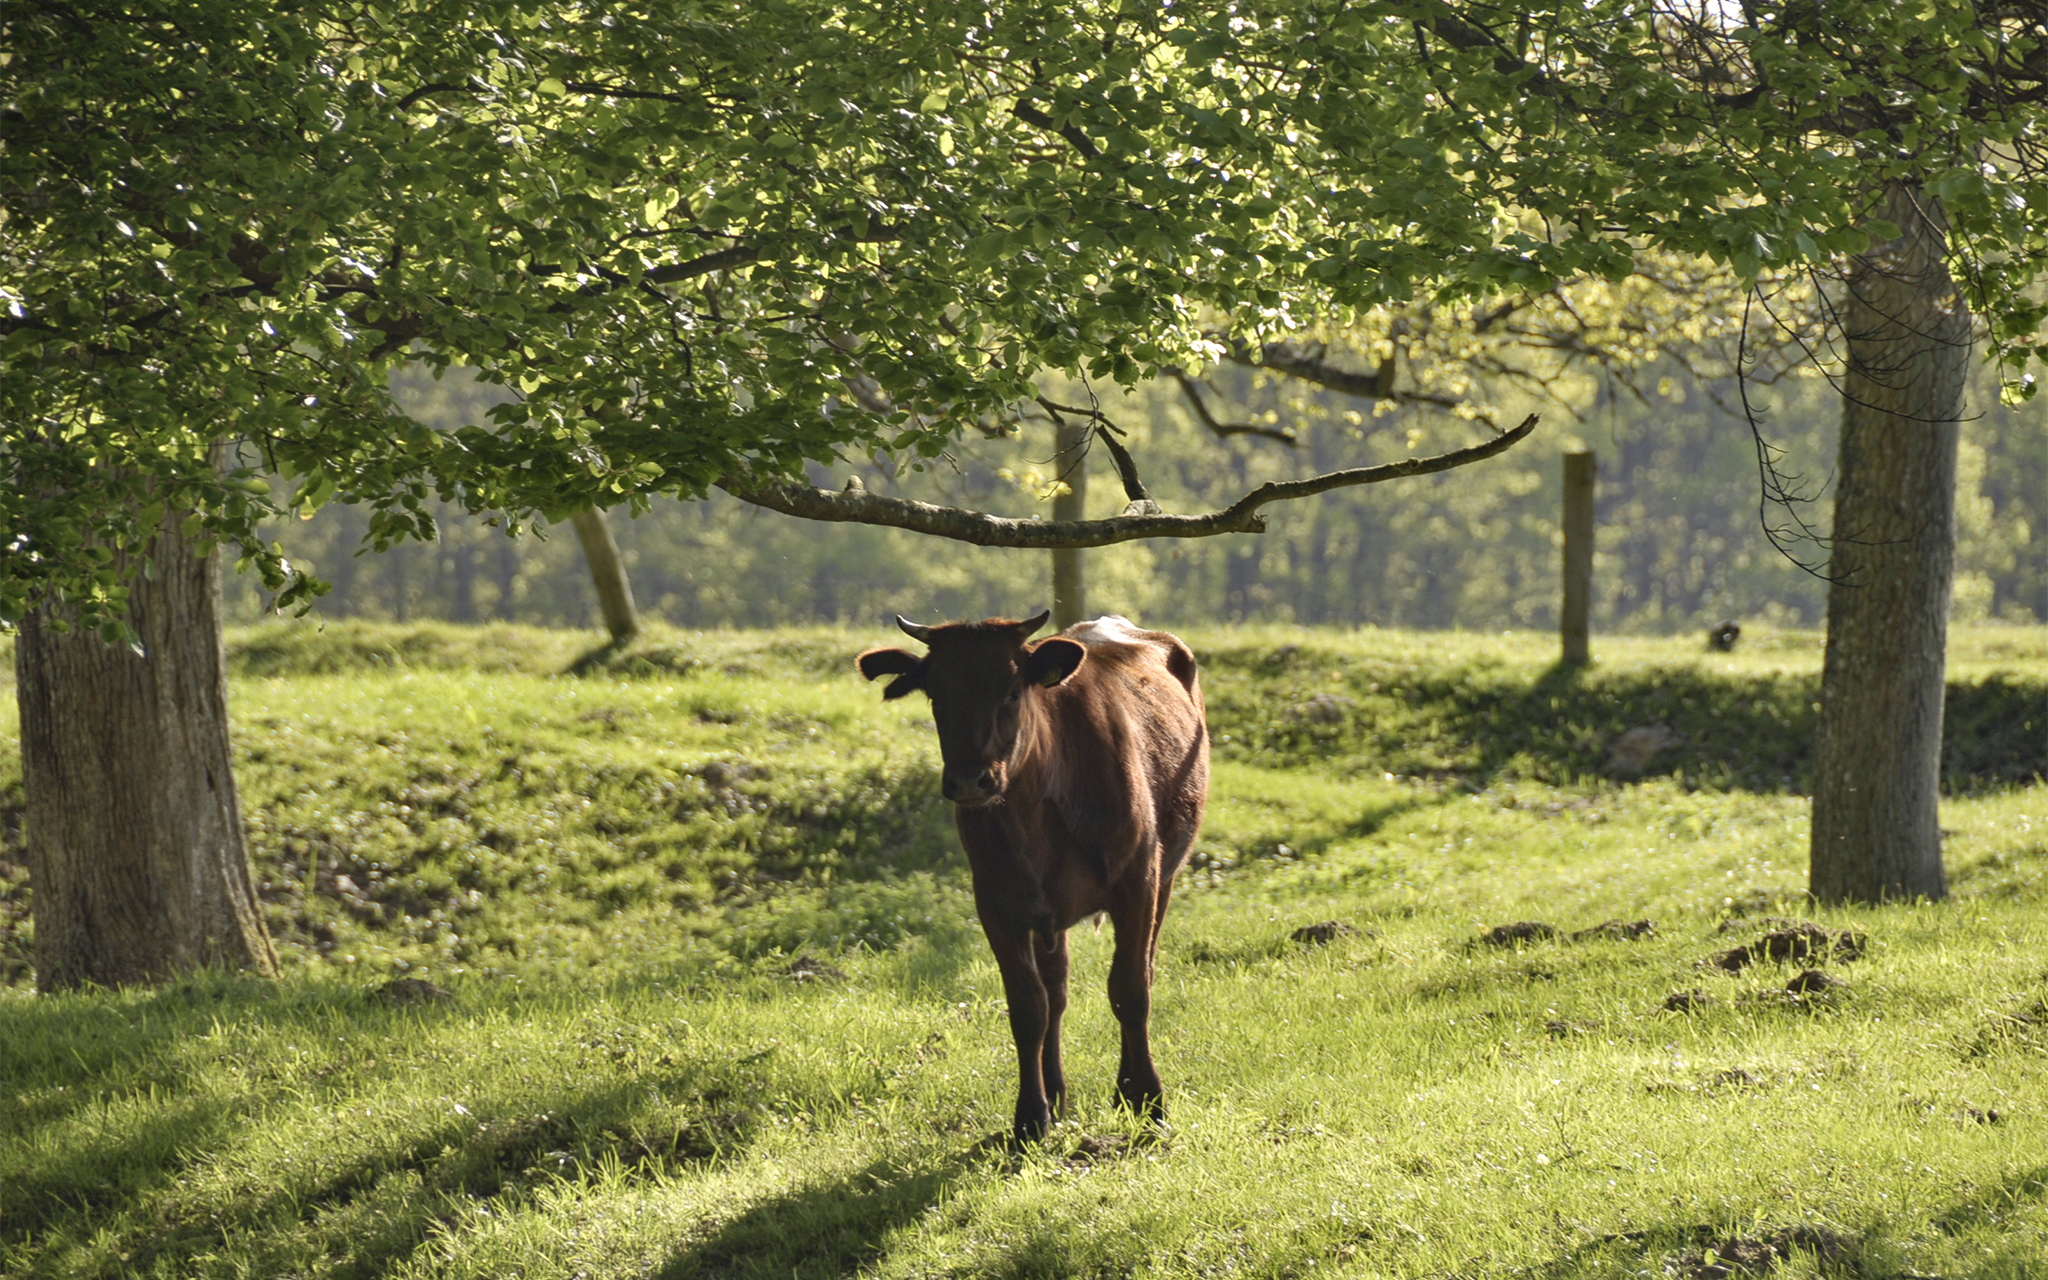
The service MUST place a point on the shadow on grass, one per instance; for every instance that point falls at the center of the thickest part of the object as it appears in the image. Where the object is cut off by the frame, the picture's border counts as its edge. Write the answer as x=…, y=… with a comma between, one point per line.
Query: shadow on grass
x=1737, y=732
x=1981, y=1217
x=111, y=1169
x=825, y=1230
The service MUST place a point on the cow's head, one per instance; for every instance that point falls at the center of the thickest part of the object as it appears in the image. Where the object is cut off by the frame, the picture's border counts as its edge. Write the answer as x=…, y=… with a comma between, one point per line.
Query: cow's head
x=980, y=677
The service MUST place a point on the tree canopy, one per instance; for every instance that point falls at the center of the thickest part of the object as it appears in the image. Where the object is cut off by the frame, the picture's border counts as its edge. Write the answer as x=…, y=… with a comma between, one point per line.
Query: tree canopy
x=704, y=242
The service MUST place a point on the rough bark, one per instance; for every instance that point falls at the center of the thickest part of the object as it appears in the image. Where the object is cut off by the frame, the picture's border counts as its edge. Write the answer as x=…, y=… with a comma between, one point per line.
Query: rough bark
x=1069, y=564
x=1877, y=783
x=608, y=573
x=135, y=844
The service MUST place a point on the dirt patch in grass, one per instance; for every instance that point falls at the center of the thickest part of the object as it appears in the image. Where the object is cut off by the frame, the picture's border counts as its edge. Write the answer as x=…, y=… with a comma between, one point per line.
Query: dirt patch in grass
x=1326, y=932
x=1815, y=982
x=1804, y=941
x=2025, y=1030
x=1095, y=1149
x=1690, y=1001
x=1616, y=931
x=1508, y=935
x=1759, y=1255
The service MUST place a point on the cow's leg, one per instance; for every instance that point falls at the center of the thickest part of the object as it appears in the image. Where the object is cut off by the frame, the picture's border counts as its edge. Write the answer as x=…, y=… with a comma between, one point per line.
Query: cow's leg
x=1162, y=897
x=1051, y=957
x=1030, y=1012
x=1133, y=905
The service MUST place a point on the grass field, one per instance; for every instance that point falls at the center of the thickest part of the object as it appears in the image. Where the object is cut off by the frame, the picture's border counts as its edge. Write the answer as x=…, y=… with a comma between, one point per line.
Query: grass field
x=719, y=1006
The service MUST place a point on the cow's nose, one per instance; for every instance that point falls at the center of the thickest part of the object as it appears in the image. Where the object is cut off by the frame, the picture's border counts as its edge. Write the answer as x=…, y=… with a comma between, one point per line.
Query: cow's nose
x=962, y=791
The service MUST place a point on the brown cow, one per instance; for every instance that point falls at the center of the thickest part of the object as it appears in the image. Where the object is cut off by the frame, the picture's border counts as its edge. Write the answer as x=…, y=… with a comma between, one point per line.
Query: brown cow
x=1077, y=768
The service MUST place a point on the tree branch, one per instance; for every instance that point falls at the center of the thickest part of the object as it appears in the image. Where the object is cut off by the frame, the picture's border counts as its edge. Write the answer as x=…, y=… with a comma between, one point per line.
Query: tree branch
x=737, y=256
x=855, y=505
x=1126, y=466
x=1037, y=119
x=1283, y=357
x=1227, y=429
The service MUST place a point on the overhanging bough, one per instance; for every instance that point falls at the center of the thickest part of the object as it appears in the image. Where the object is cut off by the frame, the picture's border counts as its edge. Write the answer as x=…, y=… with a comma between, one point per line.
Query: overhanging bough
x=855, y=505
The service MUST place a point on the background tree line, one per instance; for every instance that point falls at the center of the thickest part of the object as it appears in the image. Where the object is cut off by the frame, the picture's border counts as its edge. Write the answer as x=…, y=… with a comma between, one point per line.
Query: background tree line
x=1680, y=542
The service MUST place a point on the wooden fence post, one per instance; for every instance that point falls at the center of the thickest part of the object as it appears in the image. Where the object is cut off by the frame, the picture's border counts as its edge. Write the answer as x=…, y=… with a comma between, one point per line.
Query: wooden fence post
x=1579, y=470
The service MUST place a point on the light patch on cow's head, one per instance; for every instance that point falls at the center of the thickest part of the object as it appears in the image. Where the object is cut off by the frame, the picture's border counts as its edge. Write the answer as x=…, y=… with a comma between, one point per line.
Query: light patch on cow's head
x=980, y=677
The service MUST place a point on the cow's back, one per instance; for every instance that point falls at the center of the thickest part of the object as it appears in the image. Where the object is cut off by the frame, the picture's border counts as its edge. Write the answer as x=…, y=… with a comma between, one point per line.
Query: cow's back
x=1131, y=724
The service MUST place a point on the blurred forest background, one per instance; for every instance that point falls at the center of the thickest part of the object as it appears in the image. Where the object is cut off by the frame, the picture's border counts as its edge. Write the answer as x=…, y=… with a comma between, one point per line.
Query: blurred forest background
x=1680, y=542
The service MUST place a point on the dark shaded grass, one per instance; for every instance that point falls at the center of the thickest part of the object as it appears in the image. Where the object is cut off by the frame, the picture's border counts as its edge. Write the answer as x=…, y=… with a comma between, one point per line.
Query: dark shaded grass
x=619, y=1095
x=824, y=1230
x=1485, y=721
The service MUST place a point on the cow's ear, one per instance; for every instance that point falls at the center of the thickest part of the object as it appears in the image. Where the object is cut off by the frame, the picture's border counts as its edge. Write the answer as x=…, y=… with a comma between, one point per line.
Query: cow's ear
x=906, y=666
x=1053, y=660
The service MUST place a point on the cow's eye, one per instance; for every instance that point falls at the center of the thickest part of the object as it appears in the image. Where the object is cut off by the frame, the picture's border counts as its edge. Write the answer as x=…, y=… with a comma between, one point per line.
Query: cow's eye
x=1013, y=695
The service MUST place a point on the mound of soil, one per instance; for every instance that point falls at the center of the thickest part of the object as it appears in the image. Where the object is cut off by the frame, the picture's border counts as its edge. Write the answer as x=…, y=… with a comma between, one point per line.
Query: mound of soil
x=1507, y=935
x=1803, y=941
x=1616, y=931
x=1325, y=932
x=1815, y=982
x=1749, y=1255
x=1689, y=1001
x=1095, y=1149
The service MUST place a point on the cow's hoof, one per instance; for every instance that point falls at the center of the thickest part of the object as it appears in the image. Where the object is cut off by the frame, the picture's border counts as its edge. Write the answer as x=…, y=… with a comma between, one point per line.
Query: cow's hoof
x=1029, y=1128
x=1149, y=1106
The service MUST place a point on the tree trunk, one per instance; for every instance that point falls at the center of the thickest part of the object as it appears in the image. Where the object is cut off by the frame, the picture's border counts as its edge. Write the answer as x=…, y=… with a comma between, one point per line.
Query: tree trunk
x=608, y=572
x=463, y=553
x=1069, y=564
x=1877, y=778
x=135, y=848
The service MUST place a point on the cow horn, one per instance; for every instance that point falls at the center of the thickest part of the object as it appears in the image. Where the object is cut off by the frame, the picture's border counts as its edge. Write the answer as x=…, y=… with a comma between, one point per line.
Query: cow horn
x=914, y=631
x=1030, y=626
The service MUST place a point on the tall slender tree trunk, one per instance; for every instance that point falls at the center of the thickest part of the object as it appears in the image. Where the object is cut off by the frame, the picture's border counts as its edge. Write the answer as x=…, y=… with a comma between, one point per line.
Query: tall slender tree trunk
x=1069, y=564
x=135, y=846
x=508, y=578
x=463, y=554
x=1877, y=783
x=608, y=573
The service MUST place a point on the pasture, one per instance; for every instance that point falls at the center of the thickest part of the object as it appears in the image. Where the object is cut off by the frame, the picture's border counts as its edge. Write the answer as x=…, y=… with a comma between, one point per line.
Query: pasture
x=708, y=998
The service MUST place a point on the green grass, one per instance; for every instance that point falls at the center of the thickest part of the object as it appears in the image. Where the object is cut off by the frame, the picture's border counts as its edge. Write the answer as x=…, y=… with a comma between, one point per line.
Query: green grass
x=613, y=871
